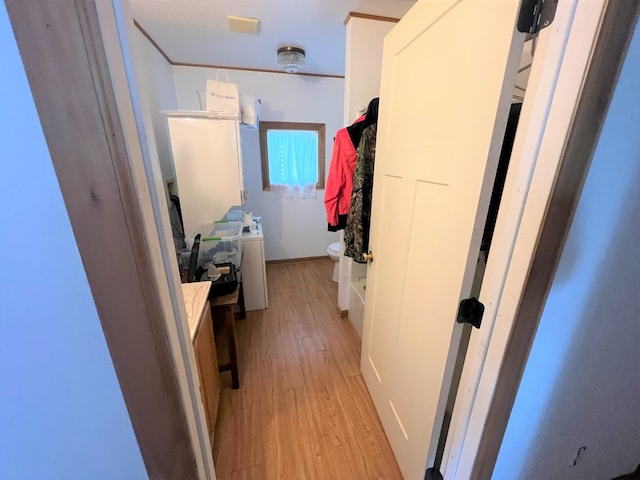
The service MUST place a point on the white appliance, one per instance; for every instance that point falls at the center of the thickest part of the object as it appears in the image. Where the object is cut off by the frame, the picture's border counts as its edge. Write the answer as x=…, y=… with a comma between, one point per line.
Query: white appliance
x=254, y=272
x=208, y=165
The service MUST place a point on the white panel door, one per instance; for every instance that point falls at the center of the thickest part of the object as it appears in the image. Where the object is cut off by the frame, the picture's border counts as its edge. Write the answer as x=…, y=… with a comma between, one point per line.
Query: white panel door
x=208, y=166
x=447, y=77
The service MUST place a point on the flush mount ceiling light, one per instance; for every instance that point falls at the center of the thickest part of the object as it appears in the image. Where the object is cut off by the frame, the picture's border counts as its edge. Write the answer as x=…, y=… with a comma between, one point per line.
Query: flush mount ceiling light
x=290, y=59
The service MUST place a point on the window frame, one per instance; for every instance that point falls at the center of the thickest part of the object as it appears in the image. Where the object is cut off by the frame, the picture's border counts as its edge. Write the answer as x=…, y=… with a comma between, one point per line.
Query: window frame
x=264, y=127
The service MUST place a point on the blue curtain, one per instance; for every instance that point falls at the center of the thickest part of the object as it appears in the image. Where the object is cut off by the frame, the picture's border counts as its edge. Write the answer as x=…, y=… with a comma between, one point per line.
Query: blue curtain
x=293, y=160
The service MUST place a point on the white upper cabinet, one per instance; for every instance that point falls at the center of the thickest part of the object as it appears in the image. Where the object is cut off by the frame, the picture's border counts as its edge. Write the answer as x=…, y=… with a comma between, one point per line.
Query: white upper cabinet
x=208, y=165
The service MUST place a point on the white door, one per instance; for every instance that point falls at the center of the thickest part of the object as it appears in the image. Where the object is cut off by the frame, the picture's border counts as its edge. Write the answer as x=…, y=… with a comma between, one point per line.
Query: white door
x=447, y=77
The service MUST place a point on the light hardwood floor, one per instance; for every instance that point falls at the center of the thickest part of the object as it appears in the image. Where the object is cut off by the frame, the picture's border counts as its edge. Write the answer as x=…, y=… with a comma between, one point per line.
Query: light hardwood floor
x=302, y=410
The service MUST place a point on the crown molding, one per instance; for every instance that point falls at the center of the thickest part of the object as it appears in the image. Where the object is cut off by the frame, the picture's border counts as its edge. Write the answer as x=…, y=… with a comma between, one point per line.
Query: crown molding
x=223, y=67
x=368, y=16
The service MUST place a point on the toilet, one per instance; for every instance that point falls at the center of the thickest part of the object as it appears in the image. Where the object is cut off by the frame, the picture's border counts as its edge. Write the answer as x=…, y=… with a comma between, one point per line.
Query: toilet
x=333, y=251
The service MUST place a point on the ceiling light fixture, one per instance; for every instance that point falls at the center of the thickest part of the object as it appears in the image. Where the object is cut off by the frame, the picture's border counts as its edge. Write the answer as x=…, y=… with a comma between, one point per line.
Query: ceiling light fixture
x=291, y=59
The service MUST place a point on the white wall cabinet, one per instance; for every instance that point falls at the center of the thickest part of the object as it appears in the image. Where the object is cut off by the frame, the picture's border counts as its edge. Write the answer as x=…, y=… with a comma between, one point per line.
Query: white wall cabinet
x=208, y=165
x=254, y=273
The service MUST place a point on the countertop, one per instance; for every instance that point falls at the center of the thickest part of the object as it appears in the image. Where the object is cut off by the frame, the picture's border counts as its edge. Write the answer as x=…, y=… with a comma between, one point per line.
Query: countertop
x=196, y=296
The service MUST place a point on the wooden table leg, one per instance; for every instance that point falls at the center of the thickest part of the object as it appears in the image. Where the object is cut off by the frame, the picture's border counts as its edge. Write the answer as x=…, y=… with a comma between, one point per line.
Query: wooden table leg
x=225, y=306
x=243, y=312
x=231, y=340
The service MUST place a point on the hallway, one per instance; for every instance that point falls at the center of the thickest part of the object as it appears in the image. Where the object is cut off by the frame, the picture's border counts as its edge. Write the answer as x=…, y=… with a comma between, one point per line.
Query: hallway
x=302, y=410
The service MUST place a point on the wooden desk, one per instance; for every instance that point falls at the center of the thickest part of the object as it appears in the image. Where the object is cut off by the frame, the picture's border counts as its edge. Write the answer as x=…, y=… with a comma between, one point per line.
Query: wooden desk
x=225, y=307
x=201, y=330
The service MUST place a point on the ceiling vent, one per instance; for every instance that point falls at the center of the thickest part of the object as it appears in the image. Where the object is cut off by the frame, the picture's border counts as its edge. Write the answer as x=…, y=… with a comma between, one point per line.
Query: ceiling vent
x=291, y=59
x=243, y=24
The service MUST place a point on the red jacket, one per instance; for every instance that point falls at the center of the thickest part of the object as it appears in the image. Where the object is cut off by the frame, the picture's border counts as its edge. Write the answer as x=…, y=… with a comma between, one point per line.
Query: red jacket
x=337, y=194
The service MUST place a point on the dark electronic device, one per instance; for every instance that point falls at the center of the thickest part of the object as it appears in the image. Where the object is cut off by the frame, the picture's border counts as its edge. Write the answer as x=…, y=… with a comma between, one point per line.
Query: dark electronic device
x=227, y=282
x=192, y=274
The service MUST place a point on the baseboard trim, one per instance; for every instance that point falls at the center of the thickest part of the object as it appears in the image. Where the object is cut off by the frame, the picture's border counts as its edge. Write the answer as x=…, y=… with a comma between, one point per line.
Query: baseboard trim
x=297, y=260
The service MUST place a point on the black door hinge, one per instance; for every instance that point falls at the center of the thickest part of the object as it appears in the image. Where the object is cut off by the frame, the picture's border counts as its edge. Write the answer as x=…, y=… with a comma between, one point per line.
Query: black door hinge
x=470, y=311
x=536, y=15
x=433, y=474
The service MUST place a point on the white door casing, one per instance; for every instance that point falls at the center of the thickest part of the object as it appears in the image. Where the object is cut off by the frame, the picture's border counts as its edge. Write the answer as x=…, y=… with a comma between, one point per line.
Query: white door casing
x=562, y=57
x=448, y=71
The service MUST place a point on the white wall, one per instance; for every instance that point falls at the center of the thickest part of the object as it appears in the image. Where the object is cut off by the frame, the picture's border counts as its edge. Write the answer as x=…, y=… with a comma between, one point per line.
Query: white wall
x=582, y=381
x=154, y=80
x=292, y=228
x=62, y=415
x=364, y=42
x=363, y=71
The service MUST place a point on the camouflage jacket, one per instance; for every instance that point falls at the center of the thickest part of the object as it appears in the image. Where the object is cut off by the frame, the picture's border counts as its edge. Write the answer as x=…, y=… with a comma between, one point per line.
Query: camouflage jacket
x=356, y=233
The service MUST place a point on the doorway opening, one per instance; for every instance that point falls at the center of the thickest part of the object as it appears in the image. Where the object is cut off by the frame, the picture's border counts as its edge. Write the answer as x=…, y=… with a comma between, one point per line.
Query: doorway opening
x=80, y=224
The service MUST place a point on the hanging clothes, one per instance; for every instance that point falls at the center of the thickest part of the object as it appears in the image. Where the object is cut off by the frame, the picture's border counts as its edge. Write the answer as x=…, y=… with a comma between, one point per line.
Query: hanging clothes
x=501, y=176
x=370, y=118
x=337, y=194
x=338, y=191
x=356, y=233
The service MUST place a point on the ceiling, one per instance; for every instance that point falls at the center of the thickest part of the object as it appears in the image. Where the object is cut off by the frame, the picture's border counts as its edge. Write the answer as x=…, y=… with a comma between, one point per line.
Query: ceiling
x=196, y=31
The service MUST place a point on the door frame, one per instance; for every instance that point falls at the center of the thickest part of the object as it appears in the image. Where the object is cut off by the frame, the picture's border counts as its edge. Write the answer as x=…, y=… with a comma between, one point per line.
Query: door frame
x=79, y=69
x=117, y=187
x=557, y=143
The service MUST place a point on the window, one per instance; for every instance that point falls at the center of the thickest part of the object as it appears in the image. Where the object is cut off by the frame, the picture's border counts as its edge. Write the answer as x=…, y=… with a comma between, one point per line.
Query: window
x=293, y=157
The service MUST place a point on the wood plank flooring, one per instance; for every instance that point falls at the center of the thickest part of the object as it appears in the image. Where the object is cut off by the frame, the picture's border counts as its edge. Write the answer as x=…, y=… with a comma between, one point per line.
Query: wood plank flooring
x=302, y=411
